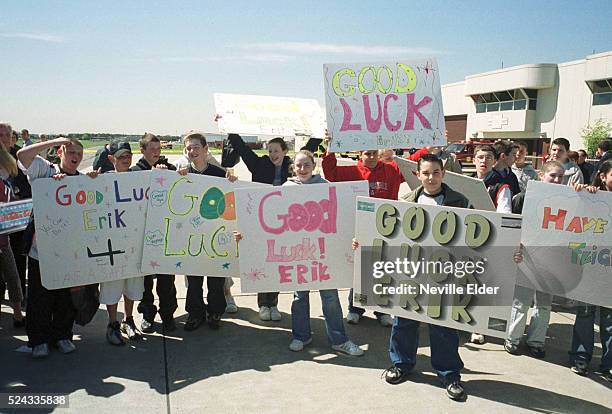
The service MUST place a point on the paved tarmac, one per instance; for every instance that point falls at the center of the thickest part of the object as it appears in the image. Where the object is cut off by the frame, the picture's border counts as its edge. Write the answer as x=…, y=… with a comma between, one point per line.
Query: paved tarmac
x=246, y=367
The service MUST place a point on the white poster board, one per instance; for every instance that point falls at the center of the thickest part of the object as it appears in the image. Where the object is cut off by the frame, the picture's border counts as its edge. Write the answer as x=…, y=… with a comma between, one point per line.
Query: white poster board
x=90, y=230
x=297, y=237
x=384, y=105
x=472, y=188
x=567, y=239
x=190, y=220
x=268, y=115
x=446, y=289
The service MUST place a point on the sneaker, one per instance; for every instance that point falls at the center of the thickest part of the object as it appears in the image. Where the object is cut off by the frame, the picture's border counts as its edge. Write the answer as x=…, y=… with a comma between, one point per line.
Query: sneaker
x=395, y=375
x=146, y=326
x=65, y=346
x=296, y=345
x=384, y=320
x=113, y=334
x=581, y=368
x=477, y=338
x=213, y=321
x=275, y=315
x=40, y=351
x=193, y=322
x=537, y=351
x=231, y=304
x=511, y=348
x=264, y=313
x=348, y=348
x=352, y=318
x=455, y=391
x=169, y=325
x=128, y=327
x=606, y=375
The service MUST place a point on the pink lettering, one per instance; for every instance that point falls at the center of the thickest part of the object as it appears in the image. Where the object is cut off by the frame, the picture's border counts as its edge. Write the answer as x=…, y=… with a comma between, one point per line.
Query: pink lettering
x=391, y=127
x=348, y=114
x=373, y=125
x=415, y=110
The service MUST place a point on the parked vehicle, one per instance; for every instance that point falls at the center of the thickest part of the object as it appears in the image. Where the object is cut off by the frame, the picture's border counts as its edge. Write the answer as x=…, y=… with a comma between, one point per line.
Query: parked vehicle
x=464, y=150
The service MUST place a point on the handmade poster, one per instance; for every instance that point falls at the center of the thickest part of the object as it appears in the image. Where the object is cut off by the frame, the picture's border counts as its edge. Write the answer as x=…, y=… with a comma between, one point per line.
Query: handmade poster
x=90, y=230
x=297, y=237
x=15, y=216
x=268, y=115
x=190, y=224
x=472, y=188
x=445, y=266
x=567, y=239
x=384, y=105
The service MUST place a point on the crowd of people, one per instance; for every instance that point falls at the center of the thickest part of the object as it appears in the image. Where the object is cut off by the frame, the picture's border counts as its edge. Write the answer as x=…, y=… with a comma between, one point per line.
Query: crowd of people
x=49, y=314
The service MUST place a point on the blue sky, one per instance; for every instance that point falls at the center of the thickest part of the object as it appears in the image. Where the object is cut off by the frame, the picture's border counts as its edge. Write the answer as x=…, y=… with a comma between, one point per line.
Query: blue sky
x=154, y=66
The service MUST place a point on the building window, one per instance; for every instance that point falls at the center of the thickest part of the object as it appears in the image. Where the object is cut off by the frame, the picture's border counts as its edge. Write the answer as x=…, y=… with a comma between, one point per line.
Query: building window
x=602, y=91
x=514, y=99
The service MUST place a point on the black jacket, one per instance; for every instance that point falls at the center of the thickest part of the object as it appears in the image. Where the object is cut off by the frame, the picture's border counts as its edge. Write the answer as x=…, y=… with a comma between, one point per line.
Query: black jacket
x=143, y=165
x=605, y=157
x=262, y=169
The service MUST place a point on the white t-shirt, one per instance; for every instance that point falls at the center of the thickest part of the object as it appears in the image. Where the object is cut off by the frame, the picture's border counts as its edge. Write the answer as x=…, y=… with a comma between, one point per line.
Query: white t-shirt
x=40, y=168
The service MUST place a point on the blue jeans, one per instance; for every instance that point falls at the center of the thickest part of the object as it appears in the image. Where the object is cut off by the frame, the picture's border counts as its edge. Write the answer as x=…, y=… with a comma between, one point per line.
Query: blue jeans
x=583, y=338
x=300, y=316
x=444, y=343
x=356, y=309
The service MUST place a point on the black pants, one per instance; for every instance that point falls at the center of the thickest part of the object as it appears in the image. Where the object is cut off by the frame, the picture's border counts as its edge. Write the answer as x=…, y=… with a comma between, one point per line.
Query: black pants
x=166, y=292
x=50, y=314
x=17, y=244
x=215, y=297
x=268, y=299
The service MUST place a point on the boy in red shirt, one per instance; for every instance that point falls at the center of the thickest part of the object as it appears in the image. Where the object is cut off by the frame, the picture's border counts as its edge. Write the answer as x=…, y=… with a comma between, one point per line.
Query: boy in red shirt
x=384, y=180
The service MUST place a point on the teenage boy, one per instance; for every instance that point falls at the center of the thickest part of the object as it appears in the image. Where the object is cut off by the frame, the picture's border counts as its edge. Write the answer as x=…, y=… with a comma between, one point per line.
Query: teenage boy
x=506, y=155
x=50, y=313
x=558, y=152
x=444, y=342
x=523, y=171
x=120, y=155
x=587, y=168
x=196, y=151
x=384, y=181
x=150, y=147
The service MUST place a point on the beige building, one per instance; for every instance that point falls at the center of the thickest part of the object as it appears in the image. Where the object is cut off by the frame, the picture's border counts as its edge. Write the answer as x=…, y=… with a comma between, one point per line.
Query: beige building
x=532, y=102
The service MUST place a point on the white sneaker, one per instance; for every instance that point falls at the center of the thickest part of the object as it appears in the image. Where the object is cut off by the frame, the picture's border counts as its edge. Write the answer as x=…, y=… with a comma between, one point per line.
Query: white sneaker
x=352, y=318
x=275, y=315
x=348, y=348
x=40, y=351
x=296, y=345
x=385, y=320
x=66, y=346
x=477, y=338
x=264, y=313
x=231, y=304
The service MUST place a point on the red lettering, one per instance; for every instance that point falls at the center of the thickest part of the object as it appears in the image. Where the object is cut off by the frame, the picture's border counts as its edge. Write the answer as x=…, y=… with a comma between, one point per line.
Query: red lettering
x=558, y=219
x=277, y=230
x=284, y=273
x=348, y=114
x=66, y=197
x=373, y=125
x=575, y=225
x=81, y=197
x=301, y=271
x=391, y=127
x=415, y=110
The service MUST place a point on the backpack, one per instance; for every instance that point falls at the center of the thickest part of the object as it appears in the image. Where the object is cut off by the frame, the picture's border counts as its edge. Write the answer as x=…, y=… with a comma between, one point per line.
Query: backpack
x=86, y=301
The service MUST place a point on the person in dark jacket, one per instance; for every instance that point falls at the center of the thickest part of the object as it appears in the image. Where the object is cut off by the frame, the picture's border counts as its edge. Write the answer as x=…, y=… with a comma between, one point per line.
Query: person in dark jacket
x=506, y=155
x=444, y=341
x=270, y=169
x=150, y=146
x=101, y=160
x=604, y=153
x=196, y=151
